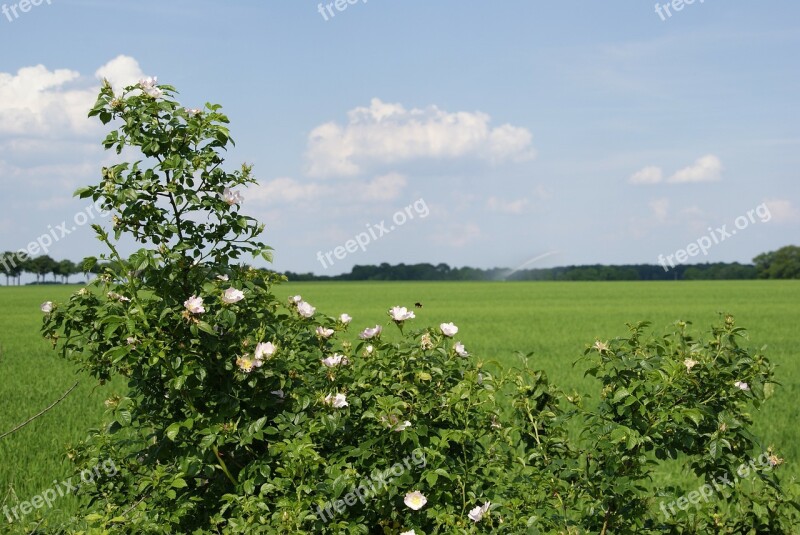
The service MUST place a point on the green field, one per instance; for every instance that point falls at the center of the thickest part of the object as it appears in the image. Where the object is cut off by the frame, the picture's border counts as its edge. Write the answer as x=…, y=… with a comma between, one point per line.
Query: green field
x=554, y=320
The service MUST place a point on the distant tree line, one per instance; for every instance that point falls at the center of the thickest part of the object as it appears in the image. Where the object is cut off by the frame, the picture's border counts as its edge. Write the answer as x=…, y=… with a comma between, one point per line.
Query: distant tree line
x=781, y=264
x=14, y=265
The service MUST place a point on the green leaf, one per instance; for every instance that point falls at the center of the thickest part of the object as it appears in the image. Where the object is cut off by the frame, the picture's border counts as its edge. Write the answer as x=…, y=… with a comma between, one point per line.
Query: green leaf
x=173, y=430
x=206, y=328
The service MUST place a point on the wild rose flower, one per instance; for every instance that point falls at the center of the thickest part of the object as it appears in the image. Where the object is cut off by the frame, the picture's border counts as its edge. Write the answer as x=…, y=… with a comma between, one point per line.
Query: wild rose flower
x=409, y=532
x=476, y=514
x=345, y=319
x=194, y=305
x=117, y=297
x=337, y=401
x=370, y=332
x=689, y=363
x=741, y=385
x=322, y=332
x=425, y=342
x=335, y=360
x=448, y=329
x=600, y=346
x=264, y=350
x=131, y=341
x=192, y=111
x=415, y=500
x=400, y=314
x=246, y=364
x=369, y=349
x=305, y=310
x=402, y=426
x=232, y=295
x=232, y=197
x=295, y=300
x=47, y=307
x=460, y=350
x=223, y=278
x=149, y=86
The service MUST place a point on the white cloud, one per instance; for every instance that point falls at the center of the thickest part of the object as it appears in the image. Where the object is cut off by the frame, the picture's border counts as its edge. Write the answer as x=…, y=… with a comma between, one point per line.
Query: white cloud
x=120, y=72
x=660, y=209
x=383, y=188
x=37, y=102
x=648, y=175
x=284, y=190
x=782, y=211
x=387, y=133
x=705, y=169
x=507, y=207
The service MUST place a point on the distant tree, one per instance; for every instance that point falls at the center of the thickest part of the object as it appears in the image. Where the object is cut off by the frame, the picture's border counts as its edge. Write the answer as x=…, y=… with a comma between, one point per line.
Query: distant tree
x=8, y=261
x=41, y=266
x=781, y=264
x=65, y=269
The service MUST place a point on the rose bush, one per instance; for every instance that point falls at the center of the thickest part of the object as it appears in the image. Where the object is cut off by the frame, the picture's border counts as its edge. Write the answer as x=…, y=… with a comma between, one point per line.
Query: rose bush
x=246, y=412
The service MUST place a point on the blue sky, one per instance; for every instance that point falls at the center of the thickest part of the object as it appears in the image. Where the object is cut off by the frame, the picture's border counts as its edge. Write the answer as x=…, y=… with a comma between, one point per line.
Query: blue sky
x=588, y=132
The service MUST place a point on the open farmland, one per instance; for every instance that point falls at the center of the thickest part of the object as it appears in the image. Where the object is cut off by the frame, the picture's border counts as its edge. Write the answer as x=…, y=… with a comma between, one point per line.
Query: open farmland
x=554, y=320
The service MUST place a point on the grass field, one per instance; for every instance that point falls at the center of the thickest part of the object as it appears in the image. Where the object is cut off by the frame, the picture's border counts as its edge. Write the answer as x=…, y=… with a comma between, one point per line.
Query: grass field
x=554, y=320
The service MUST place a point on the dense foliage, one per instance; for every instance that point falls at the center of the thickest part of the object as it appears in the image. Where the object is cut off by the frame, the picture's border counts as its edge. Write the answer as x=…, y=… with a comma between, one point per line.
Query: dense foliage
x=252, y=413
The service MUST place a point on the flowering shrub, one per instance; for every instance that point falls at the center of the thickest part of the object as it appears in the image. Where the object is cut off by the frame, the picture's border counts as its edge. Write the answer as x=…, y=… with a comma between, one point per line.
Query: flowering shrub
x=249, y=413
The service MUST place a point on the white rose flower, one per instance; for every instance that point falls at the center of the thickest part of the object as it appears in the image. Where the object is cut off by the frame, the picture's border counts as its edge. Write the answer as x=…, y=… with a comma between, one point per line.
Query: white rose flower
x=461, y=351
x=689, y=363
x=47, y=307
x=265, y=350
x=370, y=332
x=194, y=305
x=741, y=385
x=232, y=197
x=448, y=329
x=476, y=514
x=400, y=314
x=223, y=278
x=345, y=318
x=322, y=332
x=232, y=295
x=409, y=532
x=369, y=349
x=337, y=402
x=415, y=500
x=149, y=82
x=305, y=310
x=335, y=360
x=402, y=426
